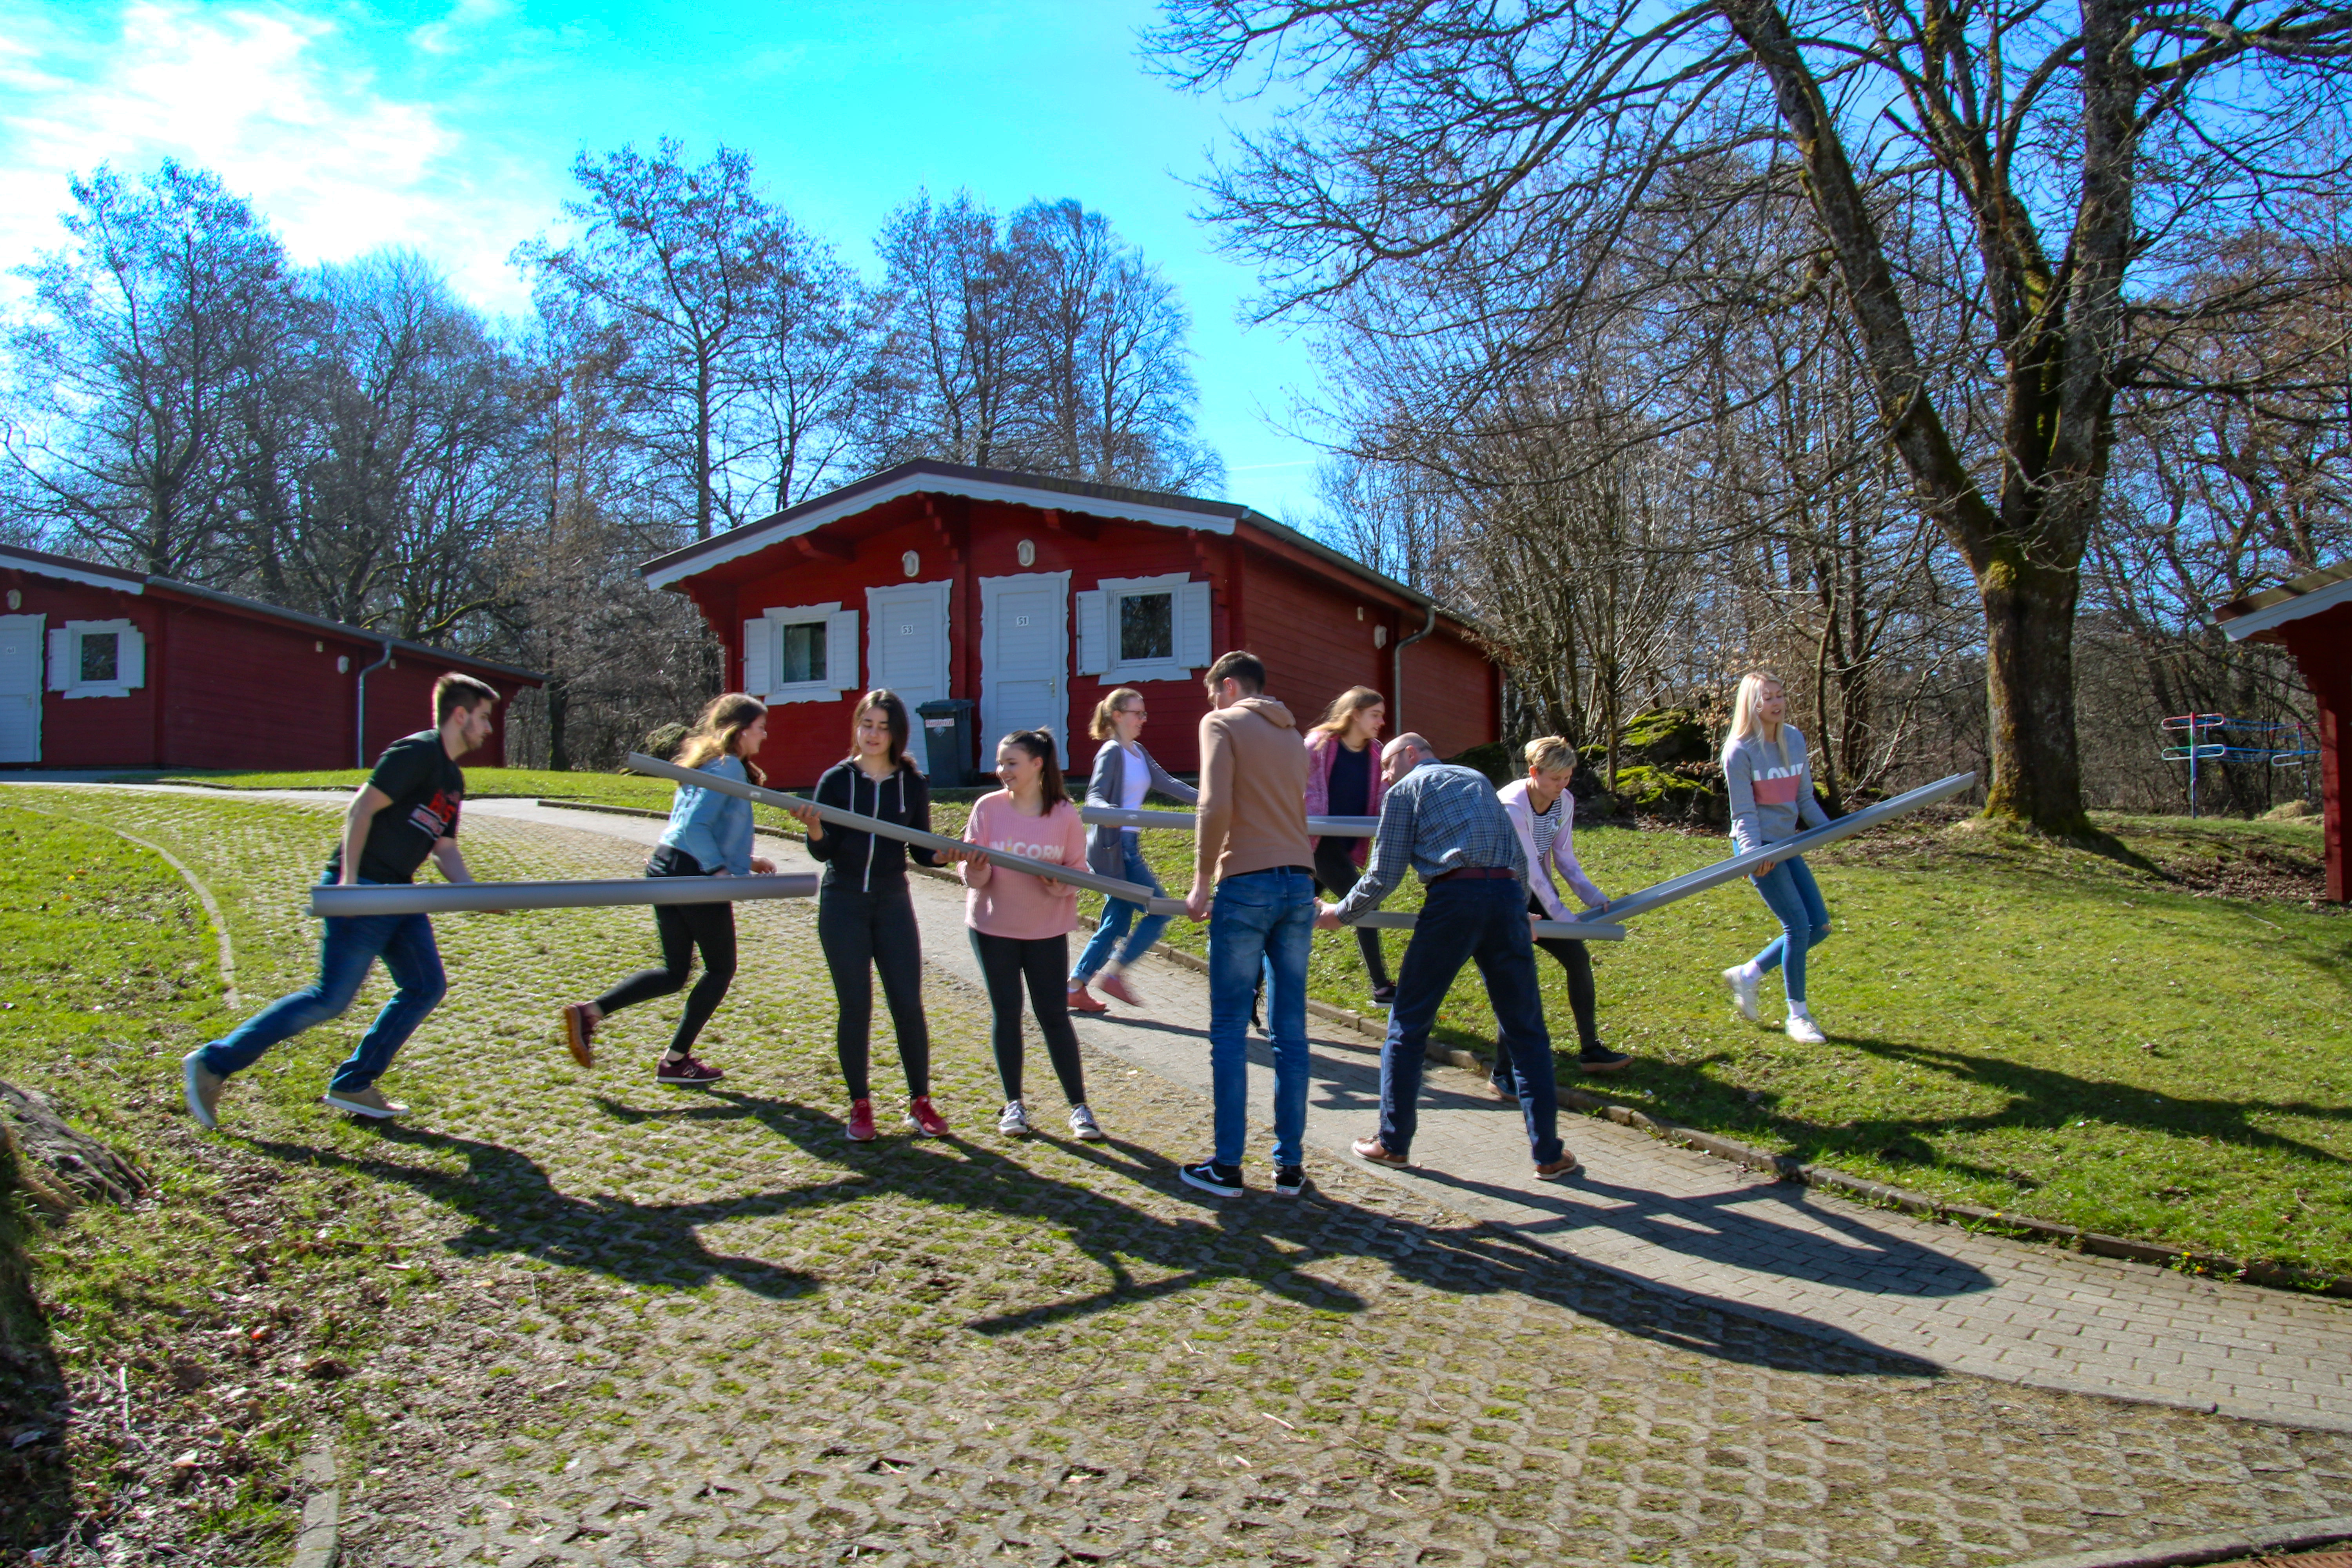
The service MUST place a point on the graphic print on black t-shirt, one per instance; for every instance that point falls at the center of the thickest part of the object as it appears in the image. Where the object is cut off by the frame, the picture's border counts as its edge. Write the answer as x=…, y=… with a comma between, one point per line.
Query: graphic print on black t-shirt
x=426, y=788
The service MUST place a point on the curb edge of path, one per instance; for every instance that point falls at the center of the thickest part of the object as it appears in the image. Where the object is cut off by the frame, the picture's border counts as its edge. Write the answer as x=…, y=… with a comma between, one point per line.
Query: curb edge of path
x=2189, y=1550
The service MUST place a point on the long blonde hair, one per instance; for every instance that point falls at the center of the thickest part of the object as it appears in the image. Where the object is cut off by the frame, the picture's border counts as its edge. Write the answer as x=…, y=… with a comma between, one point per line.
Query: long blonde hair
x=717, y=729
x=1744, y=724
x=1344, y=709
x=1100, y=726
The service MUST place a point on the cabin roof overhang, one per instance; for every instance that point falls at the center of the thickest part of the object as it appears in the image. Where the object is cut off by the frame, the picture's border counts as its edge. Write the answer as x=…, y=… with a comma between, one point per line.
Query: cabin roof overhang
x=823, y=525
x=2257, y=617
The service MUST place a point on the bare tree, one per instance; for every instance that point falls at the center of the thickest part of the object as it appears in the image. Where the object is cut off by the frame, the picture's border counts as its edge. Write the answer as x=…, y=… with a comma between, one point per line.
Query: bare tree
x=951, y=378
x=172, y=303
x=681, y=261
x=2066, y=162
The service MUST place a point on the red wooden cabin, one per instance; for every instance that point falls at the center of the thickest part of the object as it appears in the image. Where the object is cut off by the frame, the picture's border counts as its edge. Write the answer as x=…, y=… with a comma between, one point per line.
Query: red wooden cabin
x=101, y=667
x=1034, y=596
x=2311, y=617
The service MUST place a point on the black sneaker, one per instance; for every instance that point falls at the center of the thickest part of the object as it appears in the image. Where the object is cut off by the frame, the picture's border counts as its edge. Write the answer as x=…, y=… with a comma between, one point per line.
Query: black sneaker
x=1225, y=1180
x=1289, y=1180
x=1601, y=1059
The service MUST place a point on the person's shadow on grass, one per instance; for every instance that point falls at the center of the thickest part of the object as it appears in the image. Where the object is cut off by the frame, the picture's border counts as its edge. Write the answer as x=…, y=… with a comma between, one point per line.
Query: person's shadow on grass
x=514, y=1208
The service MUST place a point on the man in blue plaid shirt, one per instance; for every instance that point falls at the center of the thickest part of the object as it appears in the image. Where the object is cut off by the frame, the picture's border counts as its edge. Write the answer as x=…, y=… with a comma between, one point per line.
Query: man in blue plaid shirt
x=1444, y=823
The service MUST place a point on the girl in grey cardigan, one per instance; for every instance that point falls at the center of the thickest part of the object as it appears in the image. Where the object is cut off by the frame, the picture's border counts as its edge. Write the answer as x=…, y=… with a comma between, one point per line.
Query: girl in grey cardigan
x=1124, y=774
x=1770, y=779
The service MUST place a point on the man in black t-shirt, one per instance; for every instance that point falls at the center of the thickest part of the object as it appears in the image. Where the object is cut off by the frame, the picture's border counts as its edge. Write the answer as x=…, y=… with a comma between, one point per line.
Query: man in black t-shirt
x=406, y=811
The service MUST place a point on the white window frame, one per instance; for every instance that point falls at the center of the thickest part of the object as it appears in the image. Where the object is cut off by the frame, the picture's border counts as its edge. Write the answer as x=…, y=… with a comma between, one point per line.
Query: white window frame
x=777, y=619
x=1118, y=672
x=130, y=649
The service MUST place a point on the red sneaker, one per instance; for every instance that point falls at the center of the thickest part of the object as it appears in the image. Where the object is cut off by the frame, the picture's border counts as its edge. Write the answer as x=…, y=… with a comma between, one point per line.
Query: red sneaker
x=920, y=1112
x=1115, y=987
x=687, y=1073
x=1084, y=1001
x=861, y=1121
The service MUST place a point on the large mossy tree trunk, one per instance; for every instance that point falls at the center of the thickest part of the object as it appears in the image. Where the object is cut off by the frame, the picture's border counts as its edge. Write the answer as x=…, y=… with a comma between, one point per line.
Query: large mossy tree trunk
x=2029, y=696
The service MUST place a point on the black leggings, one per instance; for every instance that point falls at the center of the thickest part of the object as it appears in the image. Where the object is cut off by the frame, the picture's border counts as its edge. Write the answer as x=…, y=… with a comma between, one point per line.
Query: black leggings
x=1581, y=999
x=1335, y=874
x=683, y=928
x=1044, y=960
x=865, y=933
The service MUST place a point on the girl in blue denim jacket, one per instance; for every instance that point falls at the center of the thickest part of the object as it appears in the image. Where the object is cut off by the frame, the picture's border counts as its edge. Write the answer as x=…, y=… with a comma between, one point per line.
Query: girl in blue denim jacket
x=710, y=835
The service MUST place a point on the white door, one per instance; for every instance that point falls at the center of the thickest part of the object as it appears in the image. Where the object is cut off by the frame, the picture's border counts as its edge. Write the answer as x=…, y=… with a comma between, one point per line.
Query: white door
x=1025, y=658
x=20, y=688
x=907, y=644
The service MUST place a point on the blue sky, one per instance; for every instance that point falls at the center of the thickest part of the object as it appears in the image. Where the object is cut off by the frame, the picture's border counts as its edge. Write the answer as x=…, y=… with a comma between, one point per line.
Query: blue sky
x=451, y=128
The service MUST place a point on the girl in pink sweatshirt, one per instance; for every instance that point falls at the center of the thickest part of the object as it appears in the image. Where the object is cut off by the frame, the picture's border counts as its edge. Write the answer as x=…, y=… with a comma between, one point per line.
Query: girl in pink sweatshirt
x=1020, y=923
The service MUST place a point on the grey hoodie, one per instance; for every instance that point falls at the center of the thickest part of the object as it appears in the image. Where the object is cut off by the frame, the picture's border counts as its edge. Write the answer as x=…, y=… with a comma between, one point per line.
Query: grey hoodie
x=1771, y=789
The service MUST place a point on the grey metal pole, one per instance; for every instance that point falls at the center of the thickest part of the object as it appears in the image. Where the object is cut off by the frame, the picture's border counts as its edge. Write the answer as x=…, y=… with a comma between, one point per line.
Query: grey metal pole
x=1675, y=889
x=455, y=898
x=1075, y=876
x=1575, y=930
x=1321, y=826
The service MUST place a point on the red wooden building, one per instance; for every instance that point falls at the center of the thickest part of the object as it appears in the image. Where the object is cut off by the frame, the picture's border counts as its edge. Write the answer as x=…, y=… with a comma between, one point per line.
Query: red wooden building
x=102, y=667
x=1032, y=596
x=2311, y=617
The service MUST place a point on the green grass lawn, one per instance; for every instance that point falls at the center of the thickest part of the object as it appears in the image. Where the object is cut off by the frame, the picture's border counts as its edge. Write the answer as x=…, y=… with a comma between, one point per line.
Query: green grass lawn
x=2118, y=1043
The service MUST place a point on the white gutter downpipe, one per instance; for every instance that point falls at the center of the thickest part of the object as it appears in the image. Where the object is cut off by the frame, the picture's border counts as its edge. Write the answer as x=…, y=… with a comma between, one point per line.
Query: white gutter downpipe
x=358, y=744
x=1396, y=672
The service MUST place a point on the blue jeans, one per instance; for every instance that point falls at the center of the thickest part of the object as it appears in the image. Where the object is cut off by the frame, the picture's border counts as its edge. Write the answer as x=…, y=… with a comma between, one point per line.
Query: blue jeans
x=1790, y=893
x=1481, y=920
x=1260, y=918
x=1117, y=914
x=351, y=945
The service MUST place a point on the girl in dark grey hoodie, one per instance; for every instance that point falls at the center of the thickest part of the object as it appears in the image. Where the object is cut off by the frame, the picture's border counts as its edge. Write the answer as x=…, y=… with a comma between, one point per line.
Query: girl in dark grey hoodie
x=1770, y=779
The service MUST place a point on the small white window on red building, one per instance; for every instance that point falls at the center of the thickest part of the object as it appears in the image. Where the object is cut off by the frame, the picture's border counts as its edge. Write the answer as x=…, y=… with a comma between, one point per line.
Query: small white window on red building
x=806, y=653
x=97, y=659
x=1144, y=628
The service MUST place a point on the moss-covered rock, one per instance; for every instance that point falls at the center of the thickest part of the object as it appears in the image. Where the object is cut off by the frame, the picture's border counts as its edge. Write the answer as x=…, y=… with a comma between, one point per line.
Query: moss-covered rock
x=1665, y=738
x=1691, y=793
x=1493, y=759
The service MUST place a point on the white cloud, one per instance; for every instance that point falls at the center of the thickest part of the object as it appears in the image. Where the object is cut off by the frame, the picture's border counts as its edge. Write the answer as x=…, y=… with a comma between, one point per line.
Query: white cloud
x=283, y=109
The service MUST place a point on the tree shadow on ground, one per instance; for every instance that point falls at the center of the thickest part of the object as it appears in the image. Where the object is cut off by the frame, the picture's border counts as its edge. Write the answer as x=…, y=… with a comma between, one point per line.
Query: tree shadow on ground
x=1269, y=1241
x=1835, y=1245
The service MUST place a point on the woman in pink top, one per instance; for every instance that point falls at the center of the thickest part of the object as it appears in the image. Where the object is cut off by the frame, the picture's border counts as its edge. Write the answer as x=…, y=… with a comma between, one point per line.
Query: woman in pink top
x=1020, y=923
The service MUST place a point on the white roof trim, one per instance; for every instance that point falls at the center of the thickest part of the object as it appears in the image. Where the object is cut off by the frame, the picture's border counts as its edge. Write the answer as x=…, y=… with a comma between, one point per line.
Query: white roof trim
x=2285, y=610
x=755, y=538
x=71, y=574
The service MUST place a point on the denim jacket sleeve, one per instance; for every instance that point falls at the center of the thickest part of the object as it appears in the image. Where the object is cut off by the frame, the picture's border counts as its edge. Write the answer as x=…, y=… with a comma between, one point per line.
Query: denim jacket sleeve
x=715, y=829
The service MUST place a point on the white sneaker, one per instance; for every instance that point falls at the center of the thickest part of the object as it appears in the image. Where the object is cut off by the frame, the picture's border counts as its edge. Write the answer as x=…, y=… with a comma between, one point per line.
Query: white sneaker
x=369, y=1102
x=1743, y=990
x=1804, y=1031
x=1014, y=1123
x=1082, y=1125
x=203, y=1089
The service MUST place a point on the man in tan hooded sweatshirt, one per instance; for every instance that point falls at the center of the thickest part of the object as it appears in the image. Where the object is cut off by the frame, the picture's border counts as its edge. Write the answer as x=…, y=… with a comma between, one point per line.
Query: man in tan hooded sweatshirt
x=1252, y=847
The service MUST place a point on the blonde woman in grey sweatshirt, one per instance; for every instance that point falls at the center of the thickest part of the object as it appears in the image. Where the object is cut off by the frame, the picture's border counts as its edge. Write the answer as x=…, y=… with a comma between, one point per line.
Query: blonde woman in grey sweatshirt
x=1770, y=779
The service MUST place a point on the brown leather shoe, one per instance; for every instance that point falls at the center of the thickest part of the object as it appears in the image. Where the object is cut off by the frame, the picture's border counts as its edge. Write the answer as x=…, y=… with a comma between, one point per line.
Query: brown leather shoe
x=1372, y=1150
x=1559, y=1170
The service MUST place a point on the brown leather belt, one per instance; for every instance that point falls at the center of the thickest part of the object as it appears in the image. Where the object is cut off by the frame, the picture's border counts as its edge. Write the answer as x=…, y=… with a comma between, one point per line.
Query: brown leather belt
x=1474, y=873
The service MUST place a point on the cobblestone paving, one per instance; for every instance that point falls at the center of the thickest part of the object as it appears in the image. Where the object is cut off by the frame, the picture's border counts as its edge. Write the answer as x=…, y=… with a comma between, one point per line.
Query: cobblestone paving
x=639, y=1327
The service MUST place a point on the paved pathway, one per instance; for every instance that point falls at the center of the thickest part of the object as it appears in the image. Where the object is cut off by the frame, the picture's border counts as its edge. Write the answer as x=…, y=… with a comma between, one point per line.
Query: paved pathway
x=1728, y=1238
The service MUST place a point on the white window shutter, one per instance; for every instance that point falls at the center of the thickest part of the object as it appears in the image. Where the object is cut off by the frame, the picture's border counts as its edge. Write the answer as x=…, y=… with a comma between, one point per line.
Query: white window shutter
x=1193, y=632
x=841, y=650
x=759, y=657
x=1094, y=632
x=65, y=665
x=131, y=660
